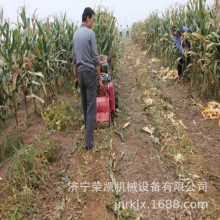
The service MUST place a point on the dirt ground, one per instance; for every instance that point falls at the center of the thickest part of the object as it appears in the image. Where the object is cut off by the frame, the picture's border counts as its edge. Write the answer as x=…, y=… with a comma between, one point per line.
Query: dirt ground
x=141, y=168
x=205, y=133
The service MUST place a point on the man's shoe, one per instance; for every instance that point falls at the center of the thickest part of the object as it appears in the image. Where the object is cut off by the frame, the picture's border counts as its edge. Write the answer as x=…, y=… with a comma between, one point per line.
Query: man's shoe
x=90, y=147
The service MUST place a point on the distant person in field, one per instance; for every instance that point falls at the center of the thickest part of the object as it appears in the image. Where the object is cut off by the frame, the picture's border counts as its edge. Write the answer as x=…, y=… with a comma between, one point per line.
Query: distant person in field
x=181, y=44
x=86, y=65
x=127, y=33
x=120, y=30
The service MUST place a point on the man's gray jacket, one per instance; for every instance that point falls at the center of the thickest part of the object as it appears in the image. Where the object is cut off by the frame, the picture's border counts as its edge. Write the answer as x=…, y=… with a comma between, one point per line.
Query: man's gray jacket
x=84, y=49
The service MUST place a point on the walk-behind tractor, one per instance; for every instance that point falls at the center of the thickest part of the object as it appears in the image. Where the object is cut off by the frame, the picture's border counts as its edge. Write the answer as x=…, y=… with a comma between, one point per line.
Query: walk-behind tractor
x=107, y=96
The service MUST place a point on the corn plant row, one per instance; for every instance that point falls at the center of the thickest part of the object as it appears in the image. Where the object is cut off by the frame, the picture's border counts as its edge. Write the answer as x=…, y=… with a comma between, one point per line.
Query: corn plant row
x=36, y=56
x=203, y=20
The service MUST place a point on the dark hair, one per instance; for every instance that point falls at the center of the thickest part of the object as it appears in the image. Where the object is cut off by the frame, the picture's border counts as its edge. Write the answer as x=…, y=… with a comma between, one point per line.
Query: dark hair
x=87, y=12
x=173, y=28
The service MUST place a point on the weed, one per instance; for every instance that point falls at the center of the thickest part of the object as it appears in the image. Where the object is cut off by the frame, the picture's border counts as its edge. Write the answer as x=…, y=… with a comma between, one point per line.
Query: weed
x=121, y=108
x=8, y=148
x=11, y=145
x=29, y=172
x=63, y=116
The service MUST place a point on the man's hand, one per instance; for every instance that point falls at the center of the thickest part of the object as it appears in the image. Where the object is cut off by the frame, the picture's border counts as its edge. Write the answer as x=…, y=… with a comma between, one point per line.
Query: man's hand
x=100, y=83
x=76, y=83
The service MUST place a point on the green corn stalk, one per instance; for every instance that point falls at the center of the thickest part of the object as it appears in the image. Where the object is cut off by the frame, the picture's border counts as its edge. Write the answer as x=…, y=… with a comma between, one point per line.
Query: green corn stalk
x=107, y=39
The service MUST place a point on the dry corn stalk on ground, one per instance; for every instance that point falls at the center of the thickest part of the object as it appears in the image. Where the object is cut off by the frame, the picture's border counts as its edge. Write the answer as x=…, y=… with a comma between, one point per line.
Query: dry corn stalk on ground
x=212, y=111
x=168, y=74
x=154, y=60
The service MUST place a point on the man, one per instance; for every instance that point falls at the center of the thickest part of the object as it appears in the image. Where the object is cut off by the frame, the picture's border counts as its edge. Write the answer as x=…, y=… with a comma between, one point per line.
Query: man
x=86, y=65
x=120, y=30
x=127, y=33
x=181, y=44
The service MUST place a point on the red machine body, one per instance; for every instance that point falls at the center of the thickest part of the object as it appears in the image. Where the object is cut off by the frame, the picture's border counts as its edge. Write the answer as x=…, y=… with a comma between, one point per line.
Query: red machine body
x=105, y=103
x=107, y=97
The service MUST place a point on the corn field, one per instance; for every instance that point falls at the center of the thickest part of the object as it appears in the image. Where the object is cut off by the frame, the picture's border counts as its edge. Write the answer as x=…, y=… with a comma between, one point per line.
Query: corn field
x=203, y=21
x=36, y=57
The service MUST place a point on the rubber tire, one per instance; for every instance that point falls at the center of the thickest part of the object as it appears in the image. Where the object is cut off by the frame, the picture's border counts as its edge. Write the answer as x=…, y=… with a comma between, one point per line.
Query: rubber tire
x=116, y=93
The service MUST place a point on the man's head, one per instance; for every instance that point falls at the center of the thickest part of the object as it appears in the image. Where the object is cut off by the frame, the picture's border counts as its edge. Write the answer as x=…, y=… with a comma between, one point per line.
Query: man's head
x=88, y=17
x=174, y=31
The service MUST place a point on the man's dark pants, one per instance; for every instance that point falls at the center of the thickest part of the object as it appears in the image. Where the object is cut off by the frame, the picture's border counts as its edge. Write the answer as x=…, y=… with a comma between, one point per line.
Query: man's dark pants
x=182, y=64
x=88, y=87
